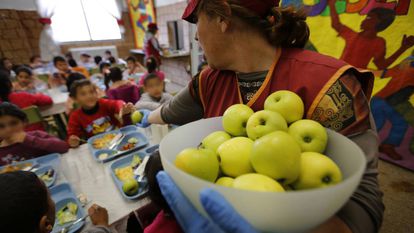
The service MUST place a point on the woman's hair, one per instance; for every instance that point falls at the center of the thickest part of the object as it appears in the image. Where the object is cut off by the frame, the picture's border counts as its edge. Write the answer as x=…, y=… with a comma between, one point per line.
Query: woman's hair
x=78, y=84
x=153, y=166
x=72, y=63
x=24, y=69
x=73, y=77
x=151, y=64
x=6, y=85
x=9, y=109
x=23, y=201
x=115, y=74
x=283, y=26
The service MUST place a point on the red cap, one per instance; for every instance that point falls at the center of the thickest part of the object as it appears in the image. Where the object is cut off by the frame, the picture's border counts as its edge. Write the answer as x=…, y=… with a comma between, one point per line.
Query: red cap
x=261, y=8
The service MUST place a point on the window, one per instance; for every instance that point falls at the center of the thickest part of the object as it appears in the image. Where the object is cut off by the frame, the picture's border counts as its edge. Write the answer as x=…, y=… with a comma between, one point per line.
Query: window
x=85, y=20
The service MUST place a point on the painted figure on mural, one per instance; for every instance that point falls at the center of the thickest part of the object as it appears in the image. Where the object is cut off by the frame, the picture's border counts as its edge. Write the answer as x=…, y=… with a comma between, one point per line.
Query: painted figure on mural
x=144, y=18
x=367, y=40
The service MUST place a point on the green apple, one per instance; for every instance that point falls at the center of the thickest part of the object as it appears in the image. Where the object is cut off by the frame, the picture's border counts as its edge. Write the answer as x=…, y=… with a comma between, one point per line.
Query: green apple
x=264, y=122
x=136, y=117
x=287, y=103
x=201, y=163
x=310, y=135
x=277, y=155
x=257, y=182
x=214, y=140
x=130, y=187
x=317, y=171
x=225, y=181
x=234, y=156
x=235, y=119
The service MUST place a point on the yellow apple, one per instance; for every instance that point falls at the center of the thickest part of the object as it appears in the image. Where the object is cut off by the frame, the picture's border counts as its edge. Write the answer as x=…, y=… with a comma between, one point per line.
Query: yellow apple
x=310, y=135
x=264, y=122
x=136, y=117
x=234, y=156
x=287, y=103
x=225, y=181
x=201, y=163
x=235, y=119
x=257, y=182
x=214, y=140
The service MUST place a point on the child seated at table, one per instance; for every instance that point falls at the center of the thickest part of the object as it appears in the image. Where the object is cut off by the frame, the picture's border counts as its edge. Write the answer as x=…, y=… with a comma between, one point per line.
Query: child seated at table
x=16, y=144
x=95, y=115
x=27, y=81
x=99, y=78
x=154, y=95
x=152, y=68
x=120, y=89
x=58, y=79
x=133, y=67
x=22, y=99
x=27, y=206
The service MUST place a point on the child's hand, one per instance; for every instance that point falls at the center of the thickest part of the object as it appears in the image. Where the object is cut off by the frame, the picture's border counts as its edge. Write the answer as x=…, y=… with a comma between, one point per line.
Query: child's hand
x=127, y=109
x=74, y=141
x=16, y=138
x=98, y=215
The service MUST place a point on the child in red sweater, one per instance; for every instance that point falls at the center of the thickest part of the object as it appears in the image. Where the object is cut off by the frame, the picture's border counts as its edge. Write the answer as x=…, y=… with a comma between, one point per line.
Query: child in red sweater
x=22, y=99
x=95, y=115
x=16, y=144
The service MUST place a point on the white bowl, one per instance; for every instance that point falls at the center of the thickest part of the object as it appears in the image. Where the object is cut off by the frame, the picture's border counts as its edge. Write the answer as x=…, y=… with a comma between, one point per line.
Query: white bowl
x=296, y=211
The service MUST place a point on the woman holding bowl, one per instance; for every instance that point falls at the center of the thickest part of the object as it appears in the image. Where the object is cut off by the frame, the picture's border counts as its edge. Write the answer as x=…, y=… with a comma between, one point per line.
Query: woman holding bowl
x=255, y=48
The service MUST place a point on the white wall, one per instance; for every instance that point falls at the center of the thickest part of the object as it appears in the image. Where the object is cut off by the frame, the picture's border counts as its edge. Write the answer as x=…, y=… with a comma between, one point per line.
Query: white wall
x=18, y=4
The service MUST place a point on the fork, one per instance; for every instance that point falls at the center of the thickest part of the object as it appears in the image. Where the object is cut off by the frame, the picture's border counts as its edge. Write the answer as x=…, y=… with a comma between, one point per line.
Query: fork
x=67, y=228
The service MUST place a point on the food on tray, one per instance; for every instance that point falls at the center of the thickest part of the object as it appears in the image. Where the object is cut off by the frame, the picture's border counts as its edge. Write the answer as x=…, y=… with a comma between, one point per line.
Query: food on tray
x=102, y=142
x=130, y=187
x=13, y=168
x=127, y=172
x=47, y=176
x=133, y=140
x=67, y=213
x=104, y=156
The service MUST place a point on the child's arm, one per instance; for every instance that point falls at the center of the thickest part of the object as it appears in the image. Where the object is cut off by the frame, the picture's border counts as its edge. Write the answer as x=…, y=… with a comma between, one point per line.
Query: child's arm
x=44, y=141
x=42, y=100
x=74, y=130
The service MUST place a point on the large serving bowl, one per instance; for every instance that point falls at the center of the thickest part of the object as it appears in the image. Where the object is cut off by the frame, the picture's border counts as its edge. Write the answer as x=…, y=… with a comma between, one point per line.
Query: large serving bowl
x=294, y=211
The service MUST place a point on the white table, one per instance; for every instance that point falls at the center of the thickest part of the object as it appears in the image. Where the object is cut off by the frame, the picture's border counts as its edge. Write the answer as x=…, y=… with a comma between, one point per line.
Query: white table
x=59, y=103
x=93, y=179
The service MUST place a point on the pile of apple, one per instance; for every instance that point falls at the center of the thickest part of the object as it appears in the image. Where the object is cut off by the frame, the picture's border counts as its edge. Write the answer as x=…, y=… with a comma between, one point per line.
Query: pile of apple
x=270, y=150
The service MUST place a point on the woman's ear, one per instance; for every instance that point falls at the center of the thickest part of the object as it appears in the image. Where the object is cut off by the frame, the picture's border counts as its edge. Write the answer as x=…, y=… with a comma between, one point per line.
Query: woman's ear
x=45, y=226
x=224, y=24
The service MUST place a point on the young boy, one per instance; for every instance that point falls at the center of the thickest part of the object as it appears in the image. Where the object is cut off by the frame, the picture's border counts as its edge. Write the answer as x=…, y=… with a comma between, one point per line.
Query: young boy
x=94, y=115
x=59, y=78
x=154, y=95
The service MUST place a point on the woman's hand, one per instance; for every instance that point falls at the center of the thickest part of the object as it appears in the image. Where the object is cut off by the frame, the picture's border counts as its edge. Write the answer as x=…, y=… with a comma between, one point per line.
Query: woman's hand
x=144, y=121
x=223, y=217
x=74, y=141
x=98, y=215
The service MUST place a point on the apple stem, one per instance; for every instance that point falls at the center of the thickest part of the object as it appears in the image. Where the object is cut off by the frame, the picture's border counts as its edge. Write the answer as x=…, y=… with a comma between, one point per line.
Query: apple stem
x=326, y=179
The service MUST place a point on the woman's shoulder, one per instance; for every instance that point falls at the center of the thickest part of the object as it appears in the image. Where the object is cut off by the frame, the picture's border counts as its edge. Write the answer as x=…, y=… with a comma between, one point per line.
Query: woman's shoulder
x=312, y=58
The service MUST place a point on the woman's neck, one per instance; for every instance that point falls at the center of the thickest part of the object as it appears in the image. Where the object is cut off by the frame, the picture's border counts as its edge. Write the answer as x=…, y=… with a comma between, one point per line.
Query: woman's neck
x=254, y=53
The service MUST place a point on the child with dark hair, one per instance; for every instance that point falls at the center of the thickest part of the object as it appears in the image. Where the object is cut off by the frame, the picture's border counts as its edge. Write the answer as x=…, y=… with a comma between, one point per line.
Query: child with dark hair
x=120, y=89
x=133, y=67
x=27, y=81
x=16, y=144
x=36, y=62
x=99, y=78
x=97, y=59
x=362, y=47
x=7, y=66
x=94, y=115
x=58, y=78
x=154, y=95
x=22, y=99
x=27, y=207
x=80, y=69
x=152, y=68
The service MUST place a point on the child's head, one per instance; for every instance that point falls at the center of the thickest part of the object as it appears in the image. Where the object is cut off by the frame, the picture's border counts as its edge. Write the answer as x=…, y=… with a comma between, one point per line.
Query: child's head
x=6, y=85
x=112, y=60
x=153, y=85
x=6, y=64
x=84, y=57
x=151, y=64
x=131, y=63
x=35, y=59
x=114, y=75
x=108, y=54
x=378, y=19
x=26, y=205
x=84, y=93
x=72, y=63
x=153, y=166
x=104, y=67
x=24, y=76
x=60, y=63
x=97, y=59
x=73, y=77
x=12, y=120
